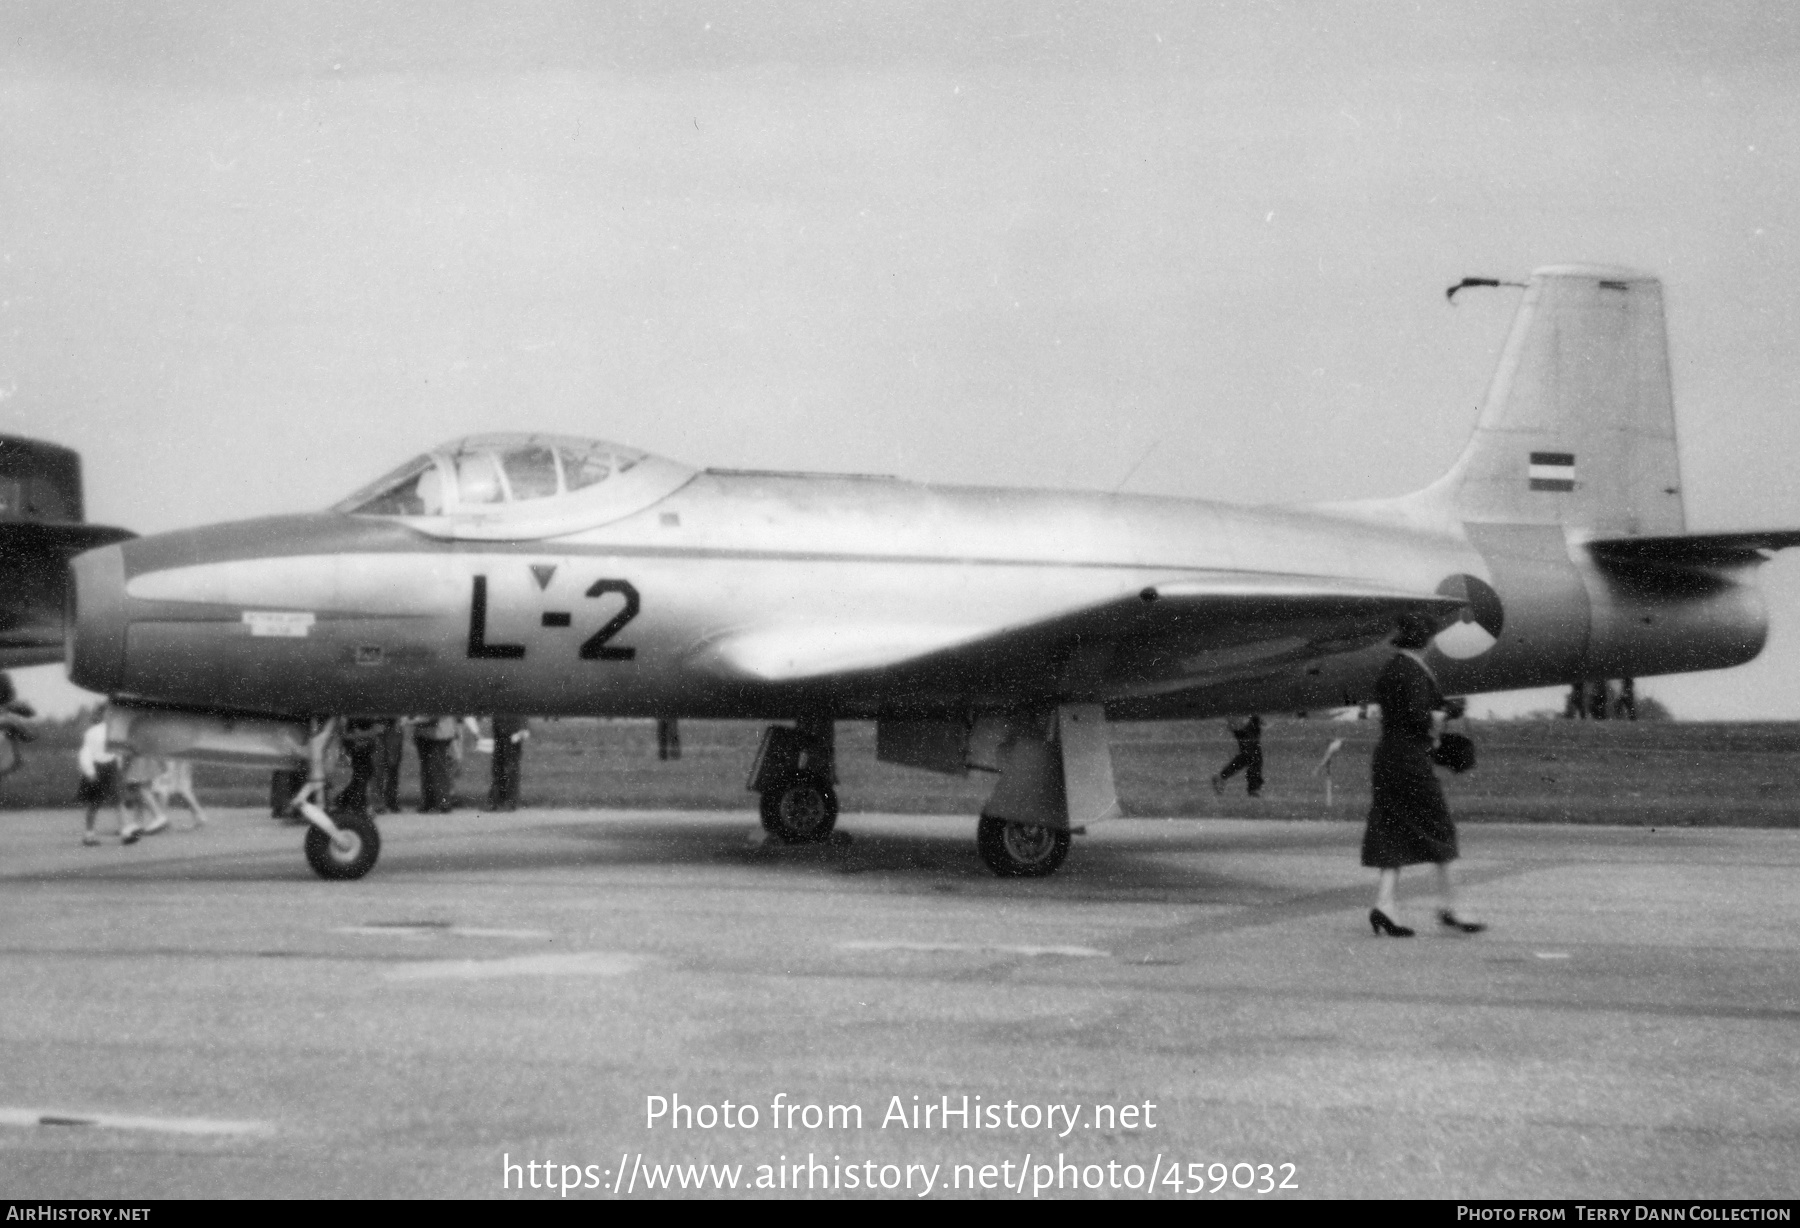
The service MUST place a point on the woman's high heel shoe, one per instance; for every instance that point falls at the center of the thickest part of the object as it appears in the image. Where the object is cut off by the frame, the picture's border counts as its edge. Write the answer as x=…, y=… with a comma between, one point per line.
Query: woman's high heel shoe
x=1381, y=923
x=1448, y=920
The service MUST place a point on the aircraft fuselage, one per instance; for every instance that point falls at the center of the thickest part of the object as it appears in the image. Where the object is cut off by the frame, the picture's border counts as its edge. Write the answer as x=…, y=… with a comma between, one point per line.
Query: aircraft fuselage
x=765, y=596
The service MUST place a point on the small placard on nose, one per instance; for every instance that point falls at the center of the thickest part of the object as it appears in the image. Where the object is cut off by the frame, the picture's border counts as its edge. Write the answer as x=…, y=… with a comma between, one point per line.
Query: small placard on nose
x=287, y=624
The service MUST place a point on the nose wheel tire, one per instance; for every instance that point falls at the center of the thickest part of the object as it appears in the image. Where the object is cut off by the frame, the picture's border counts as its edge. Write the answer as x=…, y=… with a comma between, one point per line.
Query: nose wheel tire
x=801, y=811
x=362, y=845
x=1014, y=850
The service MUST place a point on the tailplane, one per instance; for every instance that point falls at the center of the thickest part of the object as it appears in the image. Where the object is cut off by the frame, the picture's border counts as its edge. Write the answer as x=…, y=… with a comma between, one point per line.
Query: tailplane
x=1578, y=427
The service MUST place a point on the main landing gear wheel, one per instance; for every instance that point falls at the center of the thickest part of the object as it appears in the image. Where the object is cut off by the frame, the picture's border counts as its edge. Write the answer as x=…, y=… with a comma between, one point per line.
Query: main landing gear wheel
x=801, y=811
x=1013, y=850
x=363, y=846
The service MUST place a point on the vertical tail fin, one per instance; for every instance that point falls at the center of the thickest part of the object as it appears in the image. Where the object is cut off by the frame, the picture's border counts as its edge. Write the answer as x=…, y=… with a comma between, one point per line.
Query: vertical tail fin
x=38, y=481
x=1579, y=425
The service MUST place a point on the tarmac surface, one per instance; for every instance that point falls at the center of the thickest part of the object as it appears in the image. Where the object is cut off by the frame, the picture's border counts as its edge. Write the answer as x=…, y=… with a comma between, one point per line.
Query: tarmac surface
x=198, y=1016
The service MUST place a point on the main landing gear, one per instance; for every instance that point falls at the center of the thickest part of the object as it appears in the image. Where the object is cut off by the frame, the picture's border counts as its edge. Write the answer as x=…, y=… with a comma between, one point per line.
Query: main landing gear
x=800, y=811
x=341, y=846
x=1020, y=850
x=1055, y=778
x=796, y=774
x=1054, y=767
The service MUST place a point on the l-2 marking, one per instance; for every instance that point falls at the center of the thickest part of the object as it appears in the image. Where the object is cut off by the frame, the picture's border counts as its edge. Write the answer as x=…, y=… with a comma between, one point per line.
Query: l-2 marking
x=597, y=647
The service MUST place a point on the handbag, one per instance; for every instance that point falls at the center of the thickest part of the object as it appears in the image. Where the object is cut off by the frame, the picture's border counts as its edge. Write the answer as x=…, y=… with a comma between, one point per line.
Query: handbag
x=1455, y=751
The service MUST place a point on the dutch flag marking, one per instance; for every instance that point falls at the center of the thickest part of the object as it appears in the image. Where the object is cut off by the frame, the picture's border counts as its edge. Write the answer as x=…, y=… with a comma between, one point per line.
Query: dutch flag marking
x=1552, y=471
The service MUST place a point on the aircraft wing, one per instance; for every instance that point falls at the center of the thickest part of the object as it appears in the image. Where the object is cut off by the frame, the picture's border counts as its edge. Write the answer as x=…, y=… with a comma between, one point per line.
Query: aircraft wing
x=1694, y=549
x=1184, y=631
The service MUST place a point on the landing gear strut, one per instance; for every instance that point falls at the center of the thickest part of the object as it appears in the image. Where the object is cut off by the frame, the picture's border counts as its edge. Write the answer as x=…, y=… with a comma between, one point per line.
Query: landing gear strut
x=341, y=846
x=796, y=773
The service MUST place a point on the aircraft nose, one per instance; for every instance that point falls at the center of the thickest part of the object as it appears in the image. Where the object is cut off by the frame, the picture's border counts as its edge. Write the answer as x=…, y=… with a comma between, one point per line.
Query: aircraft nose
x=94, y=620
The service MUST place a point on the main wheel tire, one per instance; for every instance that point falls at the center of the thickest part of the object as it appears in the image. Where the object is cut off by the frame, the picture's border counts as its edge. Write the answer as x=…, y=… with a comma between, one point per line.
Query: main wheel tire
x=801, y=811
x=329, y=861
x=1014, y=850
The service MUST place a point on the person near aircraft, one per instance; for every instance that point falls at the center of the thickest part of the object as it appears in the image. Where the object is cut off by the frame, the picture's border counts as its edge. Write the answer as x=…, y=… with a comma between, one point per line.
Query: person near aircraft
x=14, y=712
x=390, y=746
x=1409, y=821
x=100, y=782
x=1249, y=758
x=13, y=734
x=460, y=748
x=361, y=740
x=137, y=774
x=432, y=736
x=509, y=734
x=176, y=783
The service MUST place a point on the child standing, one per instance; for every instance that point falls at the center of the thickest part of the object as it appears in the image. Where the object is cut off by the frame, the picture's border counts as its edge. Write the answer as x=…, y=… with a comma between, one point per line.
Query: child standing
x=100, y=782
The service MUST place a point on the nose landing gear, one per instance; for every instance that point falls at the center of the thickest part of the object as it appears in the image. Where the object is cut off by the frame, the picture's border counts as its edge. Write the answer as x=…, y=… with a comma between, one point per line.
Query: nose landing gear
x=341, y=846
x=350, y=854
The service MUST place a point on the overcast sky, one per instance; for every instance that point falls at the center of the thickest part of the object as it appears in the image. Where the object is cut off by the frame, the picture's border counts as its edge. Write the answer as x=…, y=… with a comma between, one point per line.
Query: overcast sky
x=252, y=255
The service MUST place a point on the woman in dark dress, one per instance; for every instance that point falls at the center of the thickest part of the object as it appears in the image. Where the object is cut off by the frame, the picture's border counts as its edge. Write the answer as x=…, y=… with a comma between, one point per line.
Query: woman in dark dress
x=1409, y=823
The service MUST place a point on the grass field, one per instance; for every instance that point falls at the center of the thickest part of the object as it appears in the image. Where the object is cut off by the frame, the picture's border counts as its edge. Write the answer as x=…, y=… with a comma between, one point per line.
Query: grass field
x=1644, y=774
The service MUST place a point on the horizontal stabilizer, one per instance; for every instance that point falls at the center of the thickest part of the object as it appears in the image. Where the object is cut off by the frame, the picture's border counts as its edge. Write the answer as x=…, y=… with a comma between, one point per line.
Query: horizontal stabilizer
x=1694, y=549
x=36, y=537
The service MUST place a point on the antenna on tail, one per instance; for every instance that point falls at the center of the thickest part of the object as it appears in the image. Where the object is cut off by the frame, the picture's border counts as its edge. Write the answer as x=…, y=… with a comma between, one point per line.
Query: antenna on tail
x=1468, y=282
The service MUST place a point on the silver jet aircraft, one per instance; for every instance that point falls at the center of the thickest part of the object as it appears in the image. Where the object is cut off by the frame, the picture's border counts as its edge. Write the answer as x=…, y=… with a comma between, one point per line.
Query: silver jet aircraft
x=993, y=630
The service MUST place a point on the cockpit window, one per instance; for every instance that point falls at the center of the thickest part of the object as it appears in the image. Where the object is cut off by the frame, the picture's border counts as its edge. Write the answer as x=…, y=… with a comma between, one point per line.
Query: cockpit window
x=584, y=468
x=483, y=473
x=418, y=491
x=478, y=479
x=586, y=465
x=530, y=471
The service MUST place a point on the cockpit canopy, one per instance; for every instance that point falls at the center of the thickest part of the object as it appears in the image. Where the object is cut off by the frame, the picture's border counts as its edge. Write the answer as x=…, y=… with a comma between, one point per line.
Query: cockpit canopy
x=518, y=486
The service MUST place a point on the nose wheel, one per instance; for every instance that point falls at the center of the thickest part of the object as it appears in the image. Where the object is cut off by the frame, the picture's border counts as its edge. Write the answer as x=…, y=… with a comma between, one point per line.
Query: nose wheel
x=338, y=846
x=1016, y=850
x=351, y=853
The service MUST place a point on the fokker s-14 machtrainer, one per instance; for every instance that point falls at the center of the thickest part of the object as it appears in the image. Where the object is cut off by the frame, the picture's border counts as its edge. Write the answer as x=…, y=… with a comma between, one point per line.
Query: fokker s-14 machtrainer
x=993, y=630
